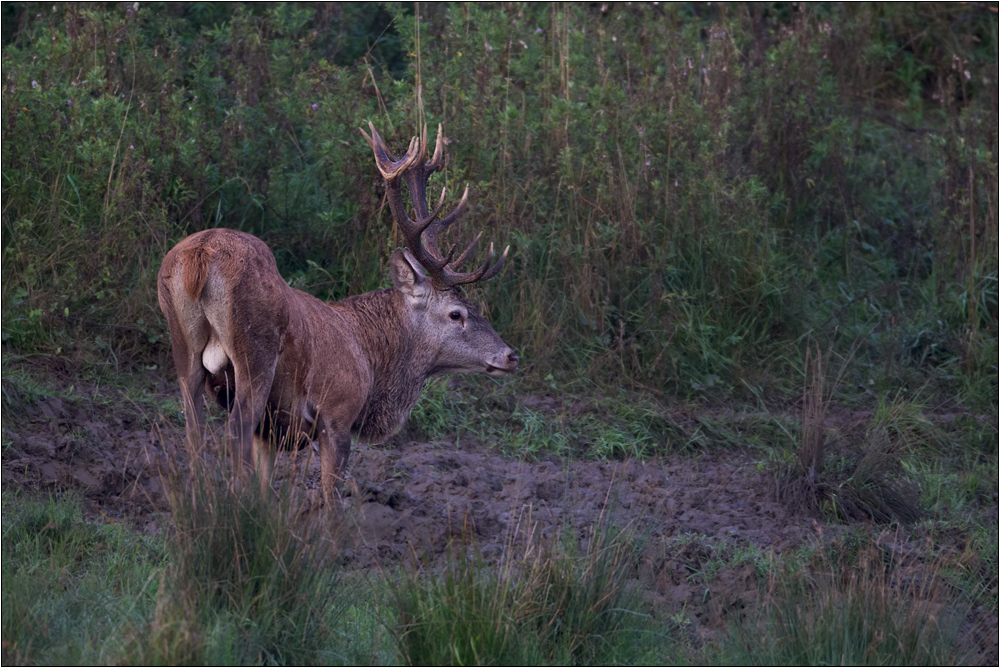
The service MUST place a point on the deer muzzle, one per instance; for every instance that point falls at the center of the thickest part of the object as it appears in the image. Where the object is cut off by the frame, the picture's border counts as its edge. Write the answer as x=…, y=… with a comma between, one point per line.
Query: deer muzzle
x=503, y=363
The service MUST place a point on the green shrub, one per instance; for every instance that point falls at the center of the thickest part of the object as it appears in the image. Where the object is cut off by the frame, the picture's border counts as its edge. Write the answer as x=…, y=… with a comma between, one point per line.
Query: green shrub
x=690, y=191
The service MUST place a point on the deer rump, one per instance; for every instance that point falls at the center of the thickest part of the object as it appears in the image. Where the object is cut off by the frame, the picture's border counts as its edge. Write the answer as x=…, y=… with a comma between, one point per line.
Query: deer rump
x=207, y=321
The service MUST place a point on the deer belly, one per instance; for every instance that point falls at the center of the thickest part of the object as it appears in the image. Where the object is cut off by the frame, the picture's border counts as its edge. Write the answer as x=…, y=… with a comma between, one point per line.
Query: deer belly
x=288, y=429
x=214, y=357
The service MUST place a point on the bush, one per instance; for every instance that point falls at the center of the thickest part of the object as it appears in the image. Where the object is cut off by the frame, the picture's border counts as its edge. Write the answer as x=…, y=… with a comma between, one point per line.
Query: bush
x=690, y=190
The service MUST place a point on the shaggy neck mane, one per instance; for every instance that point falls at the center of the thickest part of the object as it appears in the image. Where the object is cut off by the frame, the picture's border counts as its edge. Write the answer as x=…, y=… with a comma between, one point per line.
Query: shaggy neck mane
x=382, y=326
x=399, y=367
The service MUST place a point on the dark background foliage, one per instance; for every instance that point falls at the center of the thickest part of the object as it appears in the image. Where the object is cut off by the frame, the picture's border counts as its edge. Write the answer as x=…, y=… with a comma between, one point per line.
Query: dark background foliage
x=692, y=191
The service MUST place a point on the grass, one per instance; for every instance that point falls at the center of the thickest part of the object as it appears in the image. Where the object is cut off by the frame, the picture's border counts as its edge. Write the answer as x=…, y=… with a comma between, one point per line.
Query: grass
x=527, y=419
x=248, y=580
x=704, y=557
x=868, y=605
x=22, y=388
x=235, y=580
x=72, y=589
x=542, y=603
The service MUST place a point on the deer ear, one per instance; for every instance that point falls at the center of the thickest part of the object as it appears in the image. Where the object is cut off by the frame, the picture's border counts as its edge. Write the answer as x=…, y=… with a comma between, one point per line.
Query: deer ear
x=407, y=274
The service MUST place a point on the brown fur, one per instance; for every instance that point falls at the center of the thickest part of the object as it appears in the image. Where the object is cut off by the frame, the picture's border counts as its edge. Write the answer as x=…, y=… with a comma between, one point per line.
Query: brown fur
x=316, y=370
x=196, y=271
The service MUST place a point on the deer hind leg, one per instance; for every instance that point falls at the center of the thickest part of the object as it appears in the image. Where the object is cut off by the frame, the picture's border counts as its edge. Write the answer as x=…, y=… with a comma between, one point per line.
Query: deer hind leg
x=194, y=404
x=253, y=385
x=188, y=339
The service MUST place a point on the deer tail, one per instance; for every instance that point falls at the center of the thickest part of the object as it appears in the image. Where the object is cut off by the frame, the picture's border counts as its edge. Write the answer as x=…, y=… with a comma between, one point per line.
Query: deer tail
x=195, y=272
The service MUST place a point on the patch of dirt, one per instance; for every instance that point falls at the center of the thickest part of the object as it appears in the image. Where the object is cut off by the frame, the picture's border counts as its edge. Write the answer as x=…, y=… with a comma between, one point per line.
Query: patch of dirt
x=107, y=454
x=415, y=498
x=432, y=490
x=423, y=495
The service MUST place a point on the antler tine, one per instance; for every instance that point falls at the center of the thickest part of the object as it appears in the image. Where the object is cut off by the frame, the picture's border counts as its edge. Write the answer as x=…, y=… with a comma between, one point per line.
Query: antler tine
x=438, y=146
x=495, y=269
x=421, y=170
x=384, y=159
x=423, y=146
x=437, y=209
x=439, y=226
x=422, y=235
x=485, y=271
x=460, y=260
x=391, y=170
x=455, y=278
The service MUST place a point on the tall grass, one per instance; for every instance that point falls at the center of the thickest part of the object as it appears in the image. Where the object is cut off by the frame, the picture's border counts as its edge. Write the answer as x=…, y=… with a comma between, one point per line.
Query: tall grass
x=864, y=606
x=249, y=579
x=543, y=602
x=237, y=579
x=690, y=190
x=851, y=471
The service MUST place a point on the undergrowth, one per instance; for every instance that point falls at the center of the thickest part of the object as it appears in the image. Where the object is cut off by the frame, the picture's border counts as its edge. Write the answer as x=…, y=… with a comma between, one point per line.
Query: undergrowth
x=691, y=191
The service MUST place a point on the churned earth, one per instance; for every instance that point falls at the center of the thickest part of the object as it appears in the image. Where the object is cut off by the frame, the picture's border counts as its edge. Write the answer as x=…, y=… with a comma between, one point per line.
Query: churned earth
x=692, y=514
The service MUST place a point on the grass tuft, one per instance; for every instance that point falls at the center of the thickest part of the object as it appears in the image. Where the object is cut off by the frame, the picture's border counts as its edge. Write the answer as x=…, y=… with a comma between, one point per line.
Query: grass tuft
x=249, y=581
x=542, y=603
x=864, y=604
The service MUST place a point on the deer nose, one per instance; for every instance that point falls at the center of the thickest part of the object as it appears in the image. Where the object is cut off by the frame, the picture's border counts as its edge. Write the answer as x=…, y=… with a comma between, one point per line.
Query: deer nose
x=512, y=359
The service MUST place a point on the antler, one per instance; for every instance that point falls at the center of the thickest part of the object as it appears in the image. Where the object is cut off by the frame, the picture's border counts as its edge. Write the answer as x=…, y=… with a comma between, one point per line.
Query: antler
x=422, y=234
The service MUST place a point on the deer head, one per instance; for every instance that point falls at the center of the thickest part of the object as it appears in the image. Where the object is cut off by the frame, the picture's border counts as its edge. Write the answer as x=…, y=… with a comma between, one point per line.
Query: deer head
x=449, y=327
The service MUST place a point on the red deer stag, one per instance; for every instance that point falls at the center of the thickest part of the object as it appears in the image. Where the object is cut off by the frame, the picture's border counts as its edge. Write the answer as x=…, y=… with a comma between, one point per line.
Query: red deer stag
x=289, y=367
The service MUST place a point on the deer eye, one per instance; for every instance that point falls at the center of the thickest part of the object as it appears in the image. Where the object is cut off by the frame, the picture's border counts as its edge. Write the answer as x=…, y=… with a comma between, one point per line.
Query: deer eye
x=455, y=315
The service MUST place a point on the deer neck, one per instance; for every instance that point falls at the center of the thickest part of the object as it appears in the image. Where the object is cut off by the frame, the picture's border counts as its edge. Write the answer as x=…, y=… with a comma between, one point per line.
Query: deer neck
x=399, y=366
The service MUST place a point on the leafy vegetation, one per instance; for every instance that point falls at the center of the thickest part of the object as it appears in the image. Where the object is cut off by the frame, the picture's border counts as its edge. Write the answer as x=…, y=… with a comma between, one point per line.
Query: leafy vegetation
x=691, y=191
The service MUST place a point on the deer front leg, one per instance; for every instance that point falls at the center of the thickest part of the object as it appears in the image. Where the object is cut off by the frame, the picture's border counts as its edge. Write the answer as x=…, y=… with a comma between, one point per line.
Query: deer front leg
x=334, y=449
x=263, y=459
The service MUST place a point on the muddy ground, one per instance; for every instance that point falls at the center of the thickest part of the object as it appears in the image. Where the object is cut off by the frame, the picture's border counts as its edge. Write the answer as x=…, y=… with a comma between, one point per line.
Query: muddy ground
x=412, y=498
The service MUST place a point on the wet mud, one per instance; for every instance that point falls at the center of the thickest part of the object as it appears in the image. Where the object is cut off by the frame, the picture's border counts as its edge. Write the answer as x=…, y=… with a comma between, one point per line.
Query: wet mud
x=411, y=500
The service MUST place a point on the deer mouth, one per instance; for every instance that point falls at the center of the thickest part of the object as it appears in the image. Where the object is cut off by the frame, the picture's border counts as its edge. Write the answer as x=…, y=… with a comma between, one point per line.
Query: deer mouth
x=501, y=371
